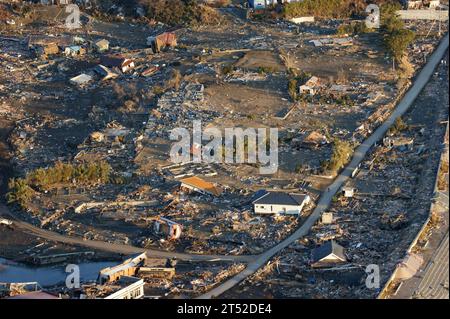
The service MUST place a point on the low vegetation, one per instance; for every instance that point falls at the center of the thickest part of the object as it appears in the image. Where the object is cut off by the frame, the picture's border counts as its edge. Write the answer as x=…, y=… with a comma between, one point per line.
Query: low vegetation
x=42, y=179
x=227, y=69
x=292, y=89
x=266, y=69
x=297, y=77
x=19, y=192
x=180, y=12
x=353, y=28
x=396, y=37
x=342, y=151
x=318, y=8
x=398, y=126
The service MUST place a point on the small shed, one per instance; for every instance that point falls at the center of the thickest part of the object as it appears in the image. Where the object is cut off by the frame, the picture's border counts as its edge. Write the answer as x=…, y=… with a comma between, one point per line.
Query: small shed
x=74, y=50
x=102, y=45
x=327, y=218
x=348, y=191
x=166, y=39
x=117, y=61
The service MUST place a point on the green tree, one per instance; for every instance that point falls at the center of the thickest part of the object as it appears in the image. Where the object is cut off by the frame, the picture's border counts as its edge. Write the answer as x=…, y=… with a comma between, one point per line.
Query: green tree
x=19, y=192
x=342, y=150
x=396, y=37
x=292, y=88
x=397, y=42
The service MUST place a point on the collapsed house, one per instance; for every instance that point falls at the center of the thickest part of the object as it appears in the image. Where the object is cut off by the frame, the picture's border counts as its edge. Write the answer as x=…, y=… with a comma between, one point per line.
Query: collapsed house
x=128, y=288
x=18, y=288
x=81, y=79
x=117, y=61
x=198, y=185
x=403, y=143
x=420, y=4
x=343, y=42
x=408, y=267
x=47, y=50
x=25, y=290
x=126, y=281
x=168, y=228
x=74, y=51
x=159, y=42
x=328, y=255
x=310, y=87
x=105, y=72
x=135, y=266
x=158, y=268
x=45, y=46
x=127, y=268
x=315, y=139
x=59, y=258
x=281, y=203
x=150, y=71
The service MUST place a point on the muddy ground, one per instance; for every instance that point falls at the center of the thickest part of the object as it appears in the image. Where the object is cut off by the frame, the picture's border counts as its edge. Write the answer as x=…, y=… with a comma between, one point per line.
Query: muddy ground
x=372, y=229
x=58, y=119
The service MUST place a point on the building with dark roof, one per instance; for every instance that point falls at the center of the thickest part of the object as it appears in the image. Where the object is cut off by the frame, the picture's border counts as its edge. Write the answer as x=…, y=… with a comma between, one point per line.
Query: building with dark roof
x=327, y=255
x=280, y=203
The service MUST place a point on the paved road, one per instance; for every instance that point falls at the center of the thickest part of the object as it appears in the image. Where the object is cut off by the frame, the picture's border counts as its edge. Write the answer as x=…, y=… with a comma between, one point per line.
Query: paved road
x=115, y=248
x=434, y=284
x=326, y=198
x=256, y=262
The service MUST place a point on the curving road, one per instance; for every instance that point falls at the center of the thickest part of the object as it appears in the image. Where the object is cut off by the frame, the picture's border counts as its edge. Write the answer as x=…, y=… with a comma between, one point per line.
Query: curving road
x=256, y=262
x=326, y=198
x=115, y=248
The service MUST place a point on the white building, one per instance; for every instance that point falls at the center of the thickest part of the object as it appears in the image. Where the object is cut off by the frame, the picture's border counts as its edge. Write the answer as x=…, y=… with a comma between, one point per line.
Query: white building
x=281, y=203
x=310, y=87
x=132, y=288
x=435, y=4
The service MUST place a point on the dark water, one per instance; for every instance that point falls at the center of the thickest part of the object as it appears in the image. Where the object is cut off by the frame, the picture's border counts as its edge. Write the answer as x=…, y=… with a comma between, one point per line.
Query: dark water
x=47, y=276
